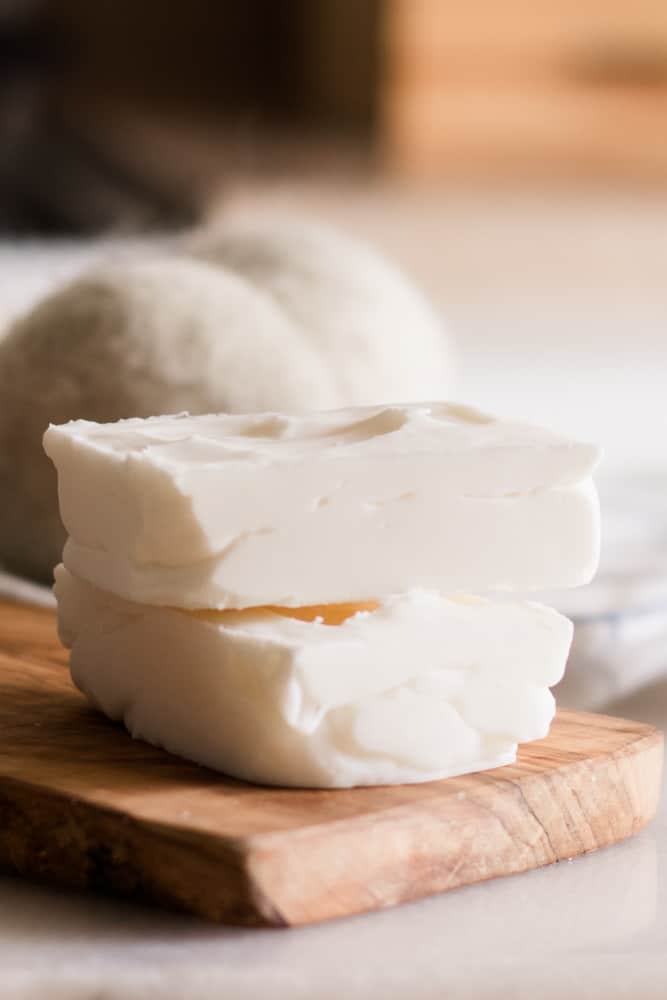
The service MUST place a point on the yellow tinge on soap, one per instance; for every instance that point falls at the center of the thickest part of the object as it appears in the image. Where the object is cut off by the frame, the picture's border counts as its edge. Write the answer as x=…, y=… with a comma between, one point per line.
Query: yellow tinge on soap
x=197, y=546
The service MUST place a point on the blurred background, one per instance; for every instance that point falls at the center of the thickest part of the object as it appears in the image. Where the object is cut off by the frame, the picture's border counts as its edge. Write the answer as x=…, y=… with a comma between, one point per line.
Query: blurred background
x=511, y=156
x=149, y=106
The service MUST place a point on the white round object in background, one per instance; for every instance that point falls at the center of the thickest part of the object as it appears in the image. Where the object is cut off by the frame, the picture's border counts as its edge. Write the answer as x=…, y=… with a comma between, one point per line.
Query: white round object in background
x=286, y=316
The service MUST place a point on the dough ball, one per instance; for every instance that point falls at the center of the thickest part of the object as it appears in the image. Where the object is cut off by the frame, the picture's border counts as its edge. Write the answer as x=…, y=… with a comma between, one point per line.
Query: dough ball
x=285, y=317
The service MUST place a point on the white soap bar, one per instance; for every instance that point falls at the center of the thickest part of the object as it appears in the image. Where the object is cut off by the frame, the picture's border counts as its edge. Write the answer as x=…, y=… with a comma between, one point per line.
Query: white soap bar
x=239, y=511
x=421, y=687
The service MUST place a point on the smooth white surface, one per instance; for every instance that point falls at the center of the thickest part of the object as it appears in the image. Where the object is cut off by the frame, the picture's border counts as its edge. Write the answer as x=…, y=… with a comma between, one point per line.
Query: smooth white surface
x=420, y=688
x=355, y=504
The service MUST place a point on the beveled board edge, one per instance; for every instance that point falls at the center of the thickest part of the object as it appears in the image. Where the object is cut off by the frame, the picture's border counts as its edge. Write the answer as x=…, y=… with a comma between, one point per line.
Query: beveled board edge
x=499, y=826
x=502, y=824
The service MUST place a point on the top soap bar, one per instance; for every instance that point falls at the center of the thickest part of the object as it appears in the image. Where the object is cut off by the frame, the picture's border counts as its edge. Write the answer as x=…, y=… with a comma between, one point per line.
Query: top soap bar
x=238, y=511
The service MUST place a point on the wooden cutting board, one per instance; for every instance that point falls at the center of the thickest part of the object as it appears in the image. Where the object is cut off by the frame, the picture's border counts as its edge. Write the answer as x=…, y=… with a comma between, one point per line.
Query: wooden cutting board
x=81, y=804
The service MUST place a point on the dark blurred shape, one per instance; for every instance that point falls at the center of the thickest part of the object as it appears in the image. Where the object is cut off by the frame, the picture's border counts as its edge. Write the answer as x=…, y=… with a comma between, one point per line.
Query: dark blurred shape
x=56, y=180
x=126, y=115
x=55, y=175
x=617, y=65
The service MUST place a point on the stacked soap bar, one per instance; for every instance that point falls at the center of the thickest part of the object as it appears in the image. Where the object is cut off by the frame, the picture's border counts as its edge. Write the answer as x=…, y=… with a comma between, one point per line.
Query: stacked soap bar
x=285, y=598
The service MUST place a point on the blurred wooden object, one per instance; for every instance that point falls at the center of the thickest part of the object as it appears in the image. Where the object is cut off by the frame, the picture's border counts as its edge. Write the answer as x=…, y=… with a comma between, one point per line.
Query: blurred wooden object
x=525, y=86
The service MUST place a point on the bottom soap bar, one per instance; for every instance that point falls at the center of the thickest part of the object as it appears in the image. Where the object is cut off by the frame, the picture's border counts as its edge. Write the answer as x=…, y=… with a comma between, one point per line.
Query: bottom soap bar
x=415, y=688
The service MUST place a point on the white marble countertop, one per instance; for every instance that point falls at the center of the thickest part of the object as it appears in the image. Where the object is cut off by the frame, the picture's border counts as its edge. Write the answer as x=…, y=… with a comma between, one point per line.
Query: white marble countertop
x=560, y=313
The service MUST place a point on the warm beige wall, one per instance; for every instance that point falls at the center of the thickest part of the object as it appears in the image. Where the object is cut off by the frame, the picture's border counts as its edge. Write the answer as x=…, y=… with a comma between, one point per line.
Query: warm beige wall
x=524, y=85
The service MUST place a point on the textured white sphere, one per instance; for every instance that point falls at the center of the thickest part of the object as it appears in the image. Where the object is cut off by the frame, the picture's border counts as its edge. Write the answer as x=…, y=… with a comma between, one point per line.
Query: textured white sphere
x=284, y=317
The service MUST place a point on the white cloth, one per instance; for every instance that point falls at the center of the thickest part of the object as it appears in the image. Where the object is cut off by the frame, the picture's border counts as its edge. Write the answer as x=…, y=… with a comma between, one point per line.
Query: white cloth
x=620, y=641
x=13, y=588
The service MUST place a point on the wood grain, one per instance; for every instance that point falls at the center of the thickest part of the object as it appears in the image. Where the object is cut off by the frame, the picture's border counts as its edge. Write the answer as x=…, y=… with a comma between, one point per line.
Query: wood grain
x=81, y=804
